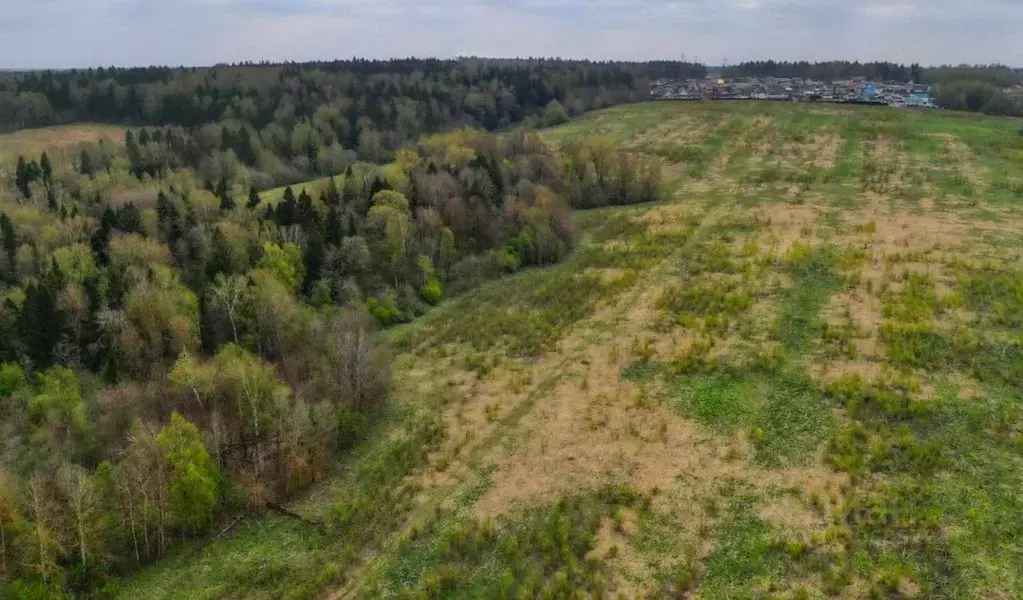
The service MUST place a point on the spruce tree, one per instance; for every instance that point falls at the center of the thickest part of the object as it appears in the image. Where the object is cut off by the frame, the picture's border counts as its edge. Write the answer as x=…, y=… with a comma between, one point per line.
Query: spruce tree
x=51, y=199
x=287, y=208
x=253, y=198
x=47, y=169
x=226, y=201
x=129, y=218
x=85, y=163
x=315, y=256
x=21, y=176
x=9, y=240
x=306, y=214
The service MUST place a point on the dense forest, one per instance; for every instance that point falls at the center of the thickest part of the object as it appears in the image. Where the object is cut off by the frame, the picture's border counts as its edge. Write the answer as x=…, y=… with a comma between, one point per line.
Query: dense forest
x=970, y=88
x=397, y=99
x=176, y=348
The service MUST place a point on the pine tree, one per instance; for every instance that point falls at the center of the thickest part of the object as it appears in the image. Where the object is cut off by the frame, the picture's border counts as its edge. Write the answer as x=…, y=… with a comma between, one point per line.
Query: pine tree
x=333, y=194
x=129, y=219
x=100, y=239
x=9, y=240
x=226, y=201
x=51, y=199
x=315, y=255
x=47, y=169
x=333, y=230
x=85, y=163
x=305, y=214
x=21, y=176
x=253, y=198
x=221, y=257
x=287, y=208
x=134, y=155
x=39, y=324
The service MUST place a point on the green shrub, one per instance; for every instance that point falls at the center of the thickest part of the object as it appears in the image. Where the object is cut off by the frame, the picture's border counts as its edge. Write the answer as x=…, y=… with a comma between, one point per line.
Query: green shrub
x=384, y=309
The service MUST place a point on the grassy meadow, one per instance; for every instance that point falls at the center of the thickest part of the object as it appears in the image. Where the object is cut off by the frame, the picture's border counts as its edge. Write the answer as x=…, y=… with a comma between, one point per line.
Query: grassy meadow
x=800, y=377
x=33, y=142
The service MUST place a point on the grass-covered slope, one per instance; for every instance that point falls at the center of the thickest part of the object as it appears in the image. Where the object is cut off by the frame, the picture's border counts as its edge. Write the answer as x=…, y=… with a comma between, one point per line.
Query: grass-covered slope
x=801, y=377
x=33, y=142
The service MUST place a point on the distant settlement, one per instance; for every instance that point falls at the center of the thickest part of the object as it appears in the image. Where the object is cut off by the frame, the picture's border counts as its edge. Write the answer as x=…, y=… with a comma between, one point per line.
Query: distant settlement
x=849, y=91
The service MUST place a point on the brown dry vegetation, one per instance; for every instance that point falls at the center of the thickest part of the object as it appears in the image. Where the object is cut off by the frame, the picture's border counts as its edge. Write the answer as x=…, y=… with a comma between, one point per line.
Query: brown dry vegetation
x=32, y=142
x=841, y=374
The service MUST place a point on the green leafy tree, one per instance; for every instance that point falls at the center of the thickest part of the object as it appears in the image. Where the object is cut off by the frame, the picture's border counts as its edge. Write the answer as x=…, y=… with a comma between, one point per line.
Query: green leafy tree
x=431, y=290
x=12, y=380
x=284, y=263
x=59, y=409
x=256, y=391
x=554, y=114
x=194, y=478
x=390, y=218
x=192, y=375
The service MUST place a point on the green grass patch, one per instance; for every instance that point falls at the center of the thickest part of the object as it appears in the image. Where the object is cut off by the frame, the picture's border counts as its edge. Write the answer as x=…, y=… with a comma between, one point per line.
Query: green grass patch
x=814, y=279
x=785, y=414
x=538, y=552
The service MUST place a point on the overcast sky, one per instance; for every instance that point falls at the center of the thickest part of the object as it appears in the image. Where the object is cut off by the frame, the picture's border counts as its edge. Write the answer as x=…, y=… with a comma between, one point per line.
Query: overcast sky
x=76, y=33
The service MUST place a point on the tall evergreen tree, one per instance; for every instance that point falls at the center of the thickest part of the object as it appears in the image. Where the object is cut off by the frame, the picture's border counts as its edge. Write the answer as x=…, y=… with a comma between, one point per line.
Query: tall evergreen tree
x=305, y=214
x=222, y=192
x=313, y=258
x=332, y=197
x=46, y=169
x=51, y=199
x=129, y=219
x=287, y=208
x=253, y=198
x=85, y=163
x=9, y=239
x=21, y=176
x=39, y=320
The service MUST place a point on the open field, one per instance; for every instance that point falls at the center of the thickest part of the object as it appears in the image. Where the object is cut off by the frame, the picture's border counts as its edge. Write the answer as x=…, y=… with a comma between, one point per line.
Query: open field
x=33, y=142
x=313, y=186
x=800, y=377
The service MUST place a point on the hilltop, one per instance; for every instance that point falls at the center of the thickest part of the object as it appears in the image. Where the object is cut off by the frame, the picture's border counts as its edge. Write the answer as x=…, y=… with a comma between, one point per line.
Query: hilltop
x=798, y=376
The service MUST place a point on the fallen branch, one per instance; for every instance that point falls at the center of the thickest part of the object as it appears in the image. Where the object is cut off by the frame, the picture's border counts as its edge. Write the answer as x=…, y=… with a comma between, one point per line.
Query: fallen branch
x=229, y=527
x=293, y=515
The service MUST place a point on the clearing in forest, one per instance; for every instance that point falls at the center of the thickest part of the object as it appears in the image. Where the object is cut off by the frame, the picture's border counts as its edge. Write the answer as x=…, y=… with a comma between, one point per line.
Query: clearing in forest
x=799, y=377
x=30, y=143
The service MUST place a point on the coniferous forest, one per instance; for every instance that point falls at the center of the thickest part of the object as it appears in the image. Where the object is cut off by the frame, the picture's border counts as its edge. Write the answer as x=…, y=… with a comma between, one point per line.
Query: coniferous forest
x=179, y=346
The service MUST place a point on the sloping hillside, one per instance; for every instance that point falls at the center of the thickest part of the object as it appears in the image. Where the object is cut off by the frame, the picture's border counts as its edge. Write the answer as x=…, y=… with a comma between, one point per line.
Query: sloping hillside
x=800, y=377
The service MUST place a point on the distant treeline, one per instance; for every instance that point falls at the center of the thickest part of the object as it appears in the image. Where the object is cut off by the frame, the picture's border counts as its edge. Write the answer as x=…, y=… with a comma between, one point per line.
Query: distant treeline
x=402, y=96
x=886, y=71
x=965, y=87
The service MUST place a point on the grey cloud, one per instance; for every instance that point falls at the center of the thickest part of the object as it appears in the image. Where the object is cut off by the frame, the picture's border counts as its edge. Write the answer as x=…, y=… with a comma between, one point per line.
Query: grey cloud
x=62, y=33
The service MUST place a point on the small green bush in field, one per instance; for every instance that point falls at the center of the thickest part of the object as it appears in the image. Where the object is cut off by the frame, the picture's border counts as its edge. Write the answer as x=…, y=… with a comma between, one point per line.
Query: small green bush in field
x=705, y=299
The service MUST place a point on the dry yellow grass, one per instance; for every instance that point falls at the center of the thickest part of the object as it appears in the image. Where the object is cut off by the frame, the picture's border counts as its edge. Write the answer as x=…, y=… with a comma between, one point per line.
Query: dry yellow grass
x=33, y=142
